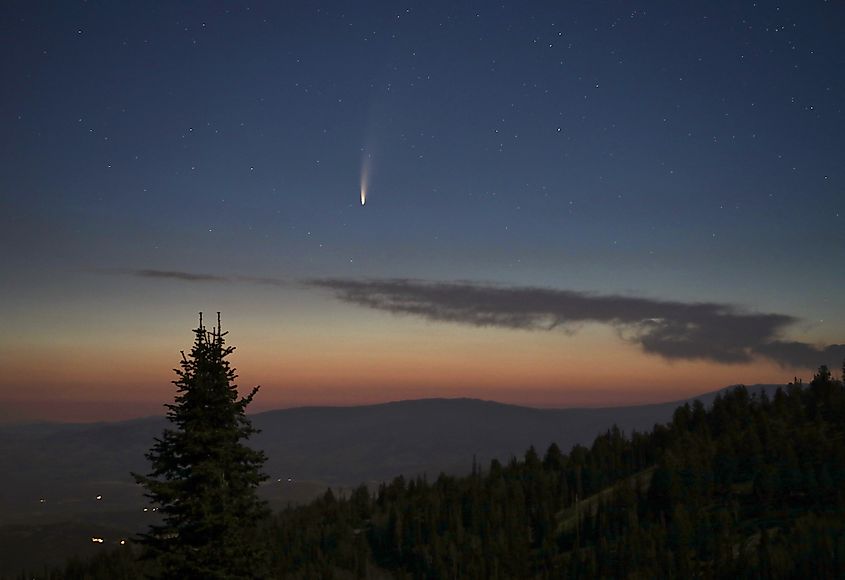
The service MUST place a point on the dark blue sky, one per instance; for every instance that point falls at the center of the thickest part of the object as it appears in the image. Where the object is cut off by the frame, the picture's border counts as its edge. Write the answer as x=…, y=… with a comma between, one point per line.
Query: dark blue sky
x=677, y=151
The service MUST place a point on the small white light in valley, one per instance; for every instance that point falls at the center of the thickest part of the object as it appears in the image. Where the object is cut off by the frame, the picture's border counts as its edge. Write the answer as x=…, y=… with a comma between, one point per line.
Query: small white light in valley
x=99, y=497
x=97, y=540
x=122, y=542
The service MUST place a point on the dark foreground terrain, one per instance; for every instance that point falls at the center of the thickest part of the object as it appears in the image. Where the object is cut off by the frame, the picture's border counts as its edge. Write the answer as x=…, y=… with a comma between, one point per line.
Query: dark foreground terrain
x=752, y=486
x=754, y=481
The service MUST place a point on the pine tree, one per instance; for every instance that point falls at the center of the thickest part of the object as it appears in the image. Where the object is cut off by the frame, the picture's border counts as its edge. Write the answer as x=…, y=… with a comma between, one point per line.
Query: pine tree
x=204, y=477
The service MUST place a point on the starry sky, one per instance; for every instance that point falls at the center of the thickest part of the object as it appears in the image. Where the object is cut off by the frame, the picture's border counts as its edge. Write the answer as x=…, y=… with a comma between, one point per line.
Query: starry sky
x=568, y=203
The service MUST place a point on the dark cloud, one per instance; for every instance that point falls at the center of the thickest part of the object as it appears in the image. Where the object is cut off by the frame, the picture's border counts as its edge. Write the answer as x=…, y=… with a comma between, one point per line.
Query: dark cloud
x=176, y=275
x=801, y=354
x=674, y=330
x=191, y=277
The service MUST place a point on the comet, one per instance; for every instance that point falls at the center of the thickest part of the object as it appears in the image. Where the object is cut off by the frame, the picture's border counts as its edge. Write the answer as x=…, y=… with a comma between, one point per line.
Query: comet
x=365, y=178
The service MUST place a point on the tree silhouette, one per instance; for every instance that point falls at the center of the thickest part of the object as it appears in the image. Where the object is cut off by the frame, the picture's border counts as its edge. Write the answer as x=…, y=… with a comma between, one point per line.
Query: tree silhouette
x=204, y=477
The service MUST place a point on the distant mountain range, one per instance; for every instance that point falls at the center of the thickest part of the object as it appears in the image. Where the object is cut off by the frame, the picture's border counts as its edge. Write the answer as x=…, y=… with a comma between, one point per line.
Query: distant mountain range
x=64, y=484
x=69, y=465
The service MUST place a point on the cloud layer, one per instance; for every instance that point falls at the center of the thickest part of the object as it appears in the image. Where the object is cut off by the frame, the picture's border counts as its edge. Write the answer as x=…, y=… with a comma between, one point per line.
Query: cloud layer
x=191, y=277
x=716, y=332
x=674, y=330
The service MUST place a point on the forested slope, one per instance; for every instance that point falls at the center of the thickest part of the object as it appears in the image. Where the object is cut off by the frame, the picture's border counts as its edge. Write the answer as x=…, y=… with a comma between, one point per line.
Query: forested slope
x=752, y=486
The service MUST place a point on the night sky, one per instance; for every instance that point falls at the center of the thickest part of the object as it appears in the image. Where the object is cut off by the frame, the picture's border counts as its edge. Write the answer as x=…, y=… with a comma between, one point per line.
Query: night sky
x=568, y=203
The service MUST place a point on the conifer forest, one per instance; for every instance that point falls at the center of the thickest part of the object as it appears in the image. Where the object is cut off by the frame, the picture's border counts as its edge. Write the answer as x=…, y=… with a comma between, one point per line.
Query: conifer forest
x=750, y=487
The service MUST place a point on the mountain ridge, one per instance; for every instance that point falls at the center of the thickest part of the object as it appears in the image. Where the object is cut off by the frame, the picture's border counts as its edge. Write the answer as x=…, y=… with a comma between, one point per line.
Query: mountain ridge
x=69, y=464
x=704, y=397
x=308, y=448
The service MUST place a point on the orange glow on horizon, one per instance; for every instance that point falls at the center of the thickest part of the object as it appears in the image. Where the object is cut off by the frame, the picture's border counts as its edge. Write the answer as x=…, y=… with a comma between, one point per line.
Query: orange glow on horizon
x=334, y=355
x=536, y=369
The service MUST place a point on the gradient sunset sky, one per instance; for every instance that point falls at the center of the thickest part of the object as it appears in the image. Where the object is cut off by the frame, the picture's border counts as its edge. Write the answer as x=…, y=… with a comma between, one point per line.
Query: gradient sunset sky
x=568, y=203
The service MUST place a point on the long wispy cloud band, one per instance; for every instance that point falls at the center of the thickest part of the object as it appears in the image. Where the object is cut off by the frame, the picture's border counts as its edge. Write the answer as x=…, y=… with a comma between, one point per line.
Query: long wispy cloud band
x=193, y=277
x=674, y=330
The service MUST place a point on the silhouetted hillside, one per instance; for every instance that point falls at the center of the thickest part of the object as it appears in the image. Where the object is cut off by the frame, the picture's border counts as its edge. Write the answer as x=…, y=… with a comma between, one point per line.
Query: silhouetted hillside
x=70, y=464
x=749, y=487
x=308, y=448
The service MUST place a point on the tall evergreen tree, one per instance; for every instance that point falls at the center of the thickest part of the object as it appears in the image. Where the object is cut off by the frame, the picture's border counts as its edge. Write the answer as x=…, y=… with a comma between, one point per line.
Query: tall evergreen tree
x=204, y=477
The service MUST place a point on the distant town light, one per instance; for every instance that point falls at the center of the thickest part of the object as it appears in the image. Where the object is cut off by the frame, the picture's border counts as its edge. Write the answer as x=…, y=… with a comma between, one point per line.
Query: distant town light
x=122, y=542
x=42, y=500
x=97, y=540
x=99, y=497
